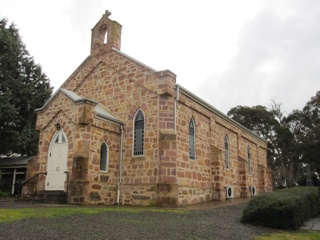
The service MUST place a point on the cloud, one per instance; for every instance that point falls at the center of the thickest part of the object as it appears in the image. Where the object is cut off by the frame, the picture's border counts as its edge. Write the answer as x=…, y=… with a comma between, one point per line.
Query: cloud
x=247, y=54
x=278, y=58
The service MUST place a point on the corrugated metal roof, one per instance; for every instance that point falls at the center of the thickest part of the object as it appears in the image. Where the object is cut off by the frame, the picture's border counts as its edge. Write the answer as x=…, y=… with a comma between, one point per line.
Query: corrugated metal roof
x=14, y=162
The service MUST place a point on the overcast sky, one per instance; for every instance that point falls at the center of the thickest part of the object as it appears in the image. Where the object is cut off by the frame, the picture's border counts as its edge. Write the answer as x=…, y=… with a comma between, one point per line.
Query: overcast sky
x=227, y=52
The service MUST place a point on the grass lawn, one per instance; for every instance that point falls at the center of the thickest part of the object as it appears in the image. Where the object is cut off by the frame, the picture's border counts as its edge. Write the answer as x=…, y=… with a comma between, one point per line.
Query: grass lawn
x=309, y=235
x=8, y=215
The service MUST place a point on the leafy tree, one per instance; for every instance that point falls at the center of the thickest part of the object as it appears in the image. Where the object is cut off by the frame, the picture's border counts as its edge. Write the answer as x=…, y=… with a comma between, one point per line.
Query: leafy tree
x=293, y=140
x=272, y=125
x=259, y=120
x=23, y=88
x=305, y=126
x=310, y=122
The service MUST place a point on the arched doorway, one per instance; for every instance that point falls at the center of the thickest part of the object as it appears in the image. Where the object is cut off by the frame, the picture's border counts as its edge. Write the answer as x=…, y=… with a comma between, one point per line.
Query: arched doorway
x=57, y=162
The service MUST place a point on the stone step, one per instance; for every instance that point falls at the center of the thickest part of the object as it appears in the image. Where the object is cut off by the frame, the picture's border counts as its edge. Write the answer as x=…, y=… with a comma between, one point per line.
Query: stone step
x=53, y=197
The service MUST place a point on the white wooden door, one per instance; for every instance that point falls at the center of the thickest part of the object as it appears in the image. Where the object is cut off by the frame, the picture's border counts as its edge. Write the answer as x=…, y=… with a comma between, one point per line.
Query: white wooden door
x=57, y=162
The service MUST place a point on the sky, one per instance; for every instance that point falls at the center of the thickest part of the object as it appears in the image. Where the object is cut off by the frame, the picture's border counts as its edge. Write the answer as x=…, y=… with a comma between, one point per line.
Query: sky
x=227, y=52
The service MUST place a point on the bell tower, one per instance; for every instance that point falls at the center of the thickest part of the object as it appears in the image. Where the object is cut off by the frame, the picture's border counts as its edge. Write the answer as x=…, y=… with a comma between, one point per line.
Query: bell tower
x=106, y=34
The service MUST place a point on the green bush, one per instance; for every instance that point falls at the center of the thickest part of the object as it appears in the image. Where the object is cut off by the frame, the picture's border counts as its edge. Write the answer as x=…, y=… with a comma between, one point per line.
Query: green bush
x=4, y=194
x=283, y=209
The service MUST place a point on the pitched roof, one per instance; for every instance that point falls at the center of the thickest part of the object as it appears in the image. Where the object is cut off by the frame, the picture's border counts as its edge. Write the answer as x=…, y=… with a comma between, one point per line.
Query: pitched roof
x=99, y=111
x=72, y=95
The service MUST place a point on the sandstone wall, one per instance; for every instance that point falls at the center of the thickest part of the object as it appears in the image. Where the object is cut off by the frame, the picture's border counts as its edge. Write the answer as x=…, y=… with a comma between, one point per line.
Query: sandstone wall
x=124, y=86
x=206, y=177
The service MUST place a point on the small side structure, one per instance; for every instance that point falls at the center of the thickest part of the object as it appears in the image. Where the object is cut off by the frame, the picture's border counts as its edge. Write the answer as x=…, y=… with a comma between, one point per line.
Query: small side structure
x=118, y=131
x=13, y=173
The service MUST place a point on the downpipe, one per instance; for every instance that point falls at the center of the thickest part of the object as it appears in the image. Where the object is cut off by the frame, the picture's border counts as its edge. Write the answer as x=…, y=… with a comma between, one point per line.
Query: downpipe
x=120, y=167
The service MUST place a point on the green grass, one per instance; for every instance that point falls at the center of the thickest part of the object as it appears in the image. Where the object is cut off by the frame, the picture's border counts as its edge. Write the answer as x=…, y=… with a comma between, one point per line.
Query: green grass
x=310, y=235
x=9, y=215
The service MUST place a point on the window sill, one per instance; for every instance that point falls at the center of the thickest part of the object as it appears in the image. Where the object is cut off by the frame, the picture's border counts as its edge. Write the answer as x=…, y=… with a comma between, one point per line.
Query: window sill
x=138, y=158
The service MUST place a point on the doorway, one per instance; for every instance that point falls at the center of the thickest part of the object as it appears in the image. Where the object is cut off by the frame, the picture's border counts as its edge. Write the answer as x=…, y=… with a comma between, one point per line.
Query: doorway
x=57, y=162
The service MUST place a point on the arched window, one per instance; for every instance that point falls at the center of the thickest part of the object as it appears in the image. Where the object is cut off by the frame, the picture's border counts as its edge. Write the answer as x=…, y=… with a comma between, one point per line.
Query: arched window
x=105, y=40
x=249, y=161
x=192, y=139
x=60, y=137
x=138, y=133
x=104, y=157
x=226, y=151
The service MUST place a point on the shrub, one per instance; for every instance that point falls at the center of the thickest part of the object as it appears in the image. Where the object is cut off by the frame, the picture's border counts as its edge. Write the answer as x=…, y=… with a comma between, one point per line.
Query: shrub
x=283, y=209
x=4, y=194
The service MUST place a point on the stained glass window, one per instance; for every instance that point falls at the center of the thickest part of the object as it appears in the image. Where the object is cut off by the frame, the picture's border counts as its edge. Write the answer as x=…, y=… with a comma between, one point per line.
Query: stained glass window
x=138, y=134
x=249, y=161
x=104, y=157
x=191, y=140
x=226, y=151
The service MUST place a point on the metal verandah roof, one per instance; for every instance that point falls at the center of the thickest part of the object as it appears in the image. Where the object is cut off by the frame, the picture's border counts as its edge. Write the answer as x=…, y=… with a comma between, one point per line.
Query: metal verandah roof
x=15, y=161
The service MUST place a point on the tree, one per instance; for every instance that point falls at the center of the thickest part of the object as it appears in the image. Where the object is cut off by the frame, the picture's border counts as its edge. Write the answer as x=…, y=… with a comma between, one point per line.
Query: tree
x=293, y=140
x=310, y=122
x=23, y=88
x=272, y=125
x=259, y=120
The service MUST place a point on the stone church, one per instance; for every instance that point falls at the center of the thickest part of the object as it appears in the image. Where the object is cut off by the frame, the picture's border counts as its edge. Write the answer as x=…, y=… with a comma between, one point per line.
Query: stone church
x=120, y=132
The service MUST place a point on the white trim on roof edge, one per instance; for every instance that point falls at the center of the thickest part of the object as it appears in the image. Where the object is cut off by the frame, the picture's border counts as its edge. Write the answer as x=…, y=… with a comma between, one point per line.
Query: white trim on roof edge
x=101, y=113
x=72, y=95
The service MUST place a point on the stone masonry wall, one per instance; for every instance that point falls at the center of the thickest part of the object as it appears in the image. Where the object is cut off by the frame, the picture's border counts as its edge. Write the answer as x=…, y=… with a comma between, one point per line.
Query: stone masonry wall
x=206, y=177
x=102, y=187
x=118, y=84
x=123, y=86
x=85, y=135
x=89, y=185
x=193, y=176
x=46, y=125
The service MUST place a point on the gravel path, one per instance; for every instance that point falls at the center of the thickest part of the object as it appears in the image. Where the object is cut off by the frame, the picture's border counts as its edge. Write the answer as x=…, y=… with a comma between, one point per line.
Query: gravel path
x=215, y=223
